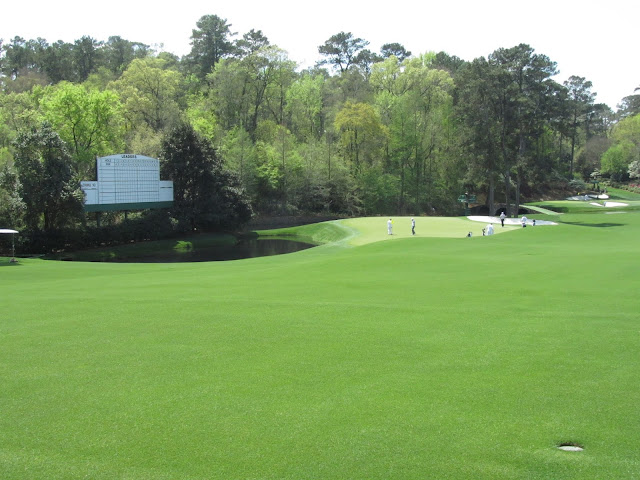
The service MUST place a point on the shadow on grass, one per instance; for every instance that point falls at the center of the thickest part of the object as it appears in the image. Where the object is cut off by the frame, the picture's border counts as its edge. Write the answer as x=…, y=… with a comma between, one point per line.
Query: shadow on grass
x=7, y=263
x=554, y=208
x=597, y=225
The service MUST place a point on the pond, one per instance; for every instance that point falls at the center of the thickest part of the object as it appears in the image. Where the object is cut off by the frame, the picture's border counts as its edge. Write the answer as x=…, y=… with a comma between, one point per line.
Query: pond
x=249, y=248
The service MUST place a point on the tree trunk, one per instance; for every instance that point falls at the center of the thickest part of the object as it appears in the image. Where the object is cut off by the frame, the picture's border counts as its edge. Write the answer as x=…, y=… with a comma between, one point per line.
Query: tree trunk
x=574, y=133
x=519, y=170
x=517, y=200
x=507, y=179
x=401, y=199
x=492, y=188
x=507, y=187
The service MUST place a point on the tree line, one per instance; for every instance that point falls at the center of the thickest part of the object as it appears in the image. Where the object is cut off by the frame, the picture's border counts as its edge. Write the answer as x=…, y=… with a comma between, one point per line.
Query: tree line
x=360, y=133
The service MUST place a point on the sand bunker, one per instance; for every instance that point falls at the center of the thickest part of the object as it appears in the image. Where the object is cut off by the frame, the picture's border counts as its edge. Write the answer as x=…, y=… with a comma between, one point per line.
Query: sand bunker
x=586, y=198
x=610, y=204
x=507, y=221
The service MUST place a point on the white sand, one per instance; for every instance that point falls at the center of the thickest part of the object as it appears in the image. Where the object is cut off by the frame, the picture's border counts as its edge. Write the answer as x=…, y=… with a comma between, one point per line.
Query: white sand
x=610, y=204
x=507, y=221
x=588, y=197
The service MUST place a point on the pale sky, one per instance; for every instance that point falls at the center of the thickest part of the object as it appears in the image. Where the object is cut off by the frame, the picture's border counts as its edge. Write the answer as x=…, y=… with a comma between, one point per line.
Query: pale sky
x=597, y=41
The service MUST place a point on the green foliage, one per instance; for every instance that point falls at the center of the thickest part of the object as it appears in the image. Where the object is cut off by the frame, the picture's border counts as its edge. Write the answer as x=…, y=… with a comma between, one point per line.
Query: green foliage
x=12, y=207
x=118, y=53
x=414, y=102
x=18, y=112
x=430, y=123
x=85, y=56
x=48, y=187
x=211, y=42
x=588, y=158
x=89, y=121
x=362, y=134
x=228, y=96
x=304, y=106
x=149, y=90
x=379, y=192
x=394, y=49
x=237, y=151
x=201, y=116
x=627, y=129
x=183, y=246
x=577, y=185
x=206, y=197
x=342, y=51
x=269, y=170
x=580, y=103
x=506, y=103
x=616, y=160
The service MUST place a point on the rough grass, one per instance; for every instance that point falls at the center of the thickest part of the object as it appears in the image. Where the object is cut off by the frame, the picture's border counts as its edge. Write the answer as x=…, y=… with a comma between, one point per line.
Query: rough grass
x=373, y=357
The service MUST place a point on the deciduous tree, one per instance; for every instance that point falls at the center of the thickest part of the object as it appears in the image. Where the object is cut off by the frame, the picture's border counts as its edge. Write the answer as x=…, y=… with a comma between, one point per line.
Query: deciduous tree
x=50, y=191
x=625, y=149
x=88, y=120
x=362, y=134
x=11, y=205
x=150, y=93
x=304, y=106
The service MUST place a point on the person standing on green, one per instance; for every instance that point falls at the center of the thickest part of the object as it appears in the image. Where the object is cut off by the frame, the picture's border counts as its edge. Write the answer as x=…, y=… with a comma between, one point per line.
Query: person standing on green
x=413, y=226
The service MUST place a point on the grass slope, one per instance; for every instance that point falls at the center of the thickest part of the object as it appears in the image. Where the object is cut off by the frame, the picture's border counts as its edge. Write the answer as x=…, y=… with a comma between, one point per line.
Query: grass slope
x=373, y=357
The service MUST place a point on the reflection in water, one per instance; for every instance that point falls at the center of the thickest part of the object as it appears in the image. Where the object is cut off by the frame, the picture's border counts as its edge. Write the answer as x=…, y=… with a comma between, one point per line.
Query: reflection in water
x=243, y=249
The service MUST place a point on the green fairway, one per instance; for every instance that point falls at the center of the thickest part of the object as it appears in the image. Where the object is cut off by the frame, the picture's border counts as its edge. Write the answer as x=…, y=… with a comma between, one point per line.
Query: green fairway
x=369, y=357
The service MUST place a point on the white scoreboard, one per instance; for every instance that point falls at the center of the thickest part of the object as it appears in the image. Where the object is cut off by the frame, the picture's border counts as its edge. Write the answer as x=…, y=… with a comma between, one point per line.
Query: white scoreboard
x=127, y=182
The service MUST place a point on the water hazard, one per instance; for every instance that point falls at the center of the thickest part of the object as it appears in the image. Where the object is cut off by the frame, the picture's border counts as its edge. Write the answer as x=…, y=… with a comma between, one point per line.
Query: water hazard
x=244, y=249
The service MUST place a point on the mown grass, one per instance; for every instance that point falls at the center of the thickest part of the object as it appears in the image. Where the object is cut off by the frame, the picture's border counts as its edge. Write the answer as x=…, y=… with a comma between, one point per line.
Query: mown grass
x=372, y=357
x=617, y=195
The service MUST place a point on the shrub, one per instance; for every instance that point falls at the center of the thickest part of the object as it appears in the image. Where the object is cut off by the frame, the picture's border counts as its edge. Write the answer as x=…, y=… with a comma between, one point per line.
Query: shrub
x=577, y=185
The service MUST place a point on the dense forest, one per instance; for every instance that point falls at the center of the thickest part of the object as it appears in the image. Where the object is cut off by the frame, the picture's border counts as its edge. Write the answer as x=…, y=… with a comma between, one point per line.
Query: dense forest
x=360, y=133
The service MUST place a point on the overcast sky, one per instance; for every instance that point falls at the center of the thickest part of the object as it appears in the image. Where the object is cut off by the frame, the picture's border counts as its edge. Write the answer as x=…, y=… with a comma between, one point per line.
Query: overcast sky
x=598, y=41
